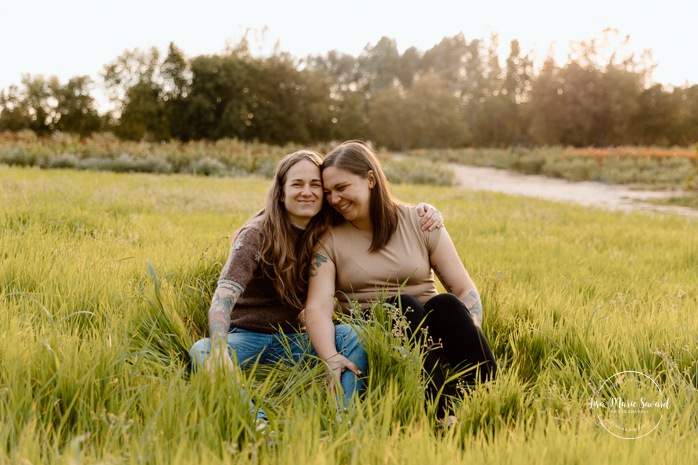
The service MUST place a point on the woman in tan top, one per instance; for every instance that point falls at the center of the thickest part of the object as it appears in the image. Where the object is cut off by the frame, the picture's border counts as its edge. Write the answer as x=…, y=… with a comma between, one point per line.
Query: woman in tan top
x=377, y=251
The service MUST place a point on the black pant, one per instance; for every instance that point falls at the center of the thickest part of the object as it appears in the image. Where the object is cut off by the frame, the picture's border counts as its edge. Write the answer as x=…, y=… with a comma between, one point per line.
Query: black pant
x=448, y=324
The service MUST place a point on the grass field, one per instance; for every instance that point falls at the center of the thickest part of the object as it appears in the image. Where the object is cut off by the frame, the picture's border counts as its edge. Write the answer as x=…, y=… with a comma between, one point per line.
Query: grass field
x=661, y=168
x=105, y=280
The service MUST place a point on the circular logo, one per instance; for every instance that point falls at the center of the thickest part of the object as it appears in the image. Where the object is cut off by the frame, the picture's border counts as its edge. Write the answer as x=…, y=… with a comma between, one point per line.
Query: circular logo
x=629, y=405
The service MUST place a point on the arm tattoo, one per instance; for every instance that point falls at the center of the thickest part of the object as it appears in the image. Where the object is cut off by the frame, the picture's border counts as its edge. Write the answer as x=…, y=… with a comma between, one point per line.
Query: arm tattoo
x=446, y=284
x=476, y=308
x=318, y=260
x=221, y=307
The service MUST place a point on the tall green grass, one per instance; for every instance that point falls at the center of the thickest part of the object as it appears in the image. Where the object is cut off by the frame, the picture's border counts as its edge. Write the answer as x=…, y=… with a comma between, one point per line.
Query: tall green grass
x=105, y=280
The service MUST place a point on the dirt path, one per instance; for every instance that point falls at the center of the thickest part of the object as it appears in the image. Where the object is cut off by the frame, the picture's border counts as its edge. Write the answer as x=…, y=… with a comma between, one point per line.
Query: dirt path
x=612, y=197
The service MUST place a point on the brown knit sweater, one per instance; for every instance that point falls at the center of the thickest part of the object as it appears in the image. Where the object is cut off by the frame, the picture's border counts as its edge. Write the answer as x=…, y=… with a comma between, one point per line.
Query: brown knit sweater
x=259, y=308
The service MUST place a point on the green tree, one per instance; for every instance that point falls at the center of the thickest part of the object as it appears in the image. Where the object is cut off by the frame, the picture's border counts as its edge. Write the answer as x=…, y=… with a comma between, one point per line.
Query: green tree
x=685, y=104
x=340, y=69
x=516, y=93
x=143, y=114
x=277, y=113
x=175, y=73
x=487, y=110
x=14, y=114
x=583, y=105
x=349, y=118
x=434, y=115
x=621, y=90
x=448, y=59
x=428, y=115
x=45, y=105
x=581, y=97
x=317, y=107
x=410, y=67
x=135, y=87
x=654, y=113
x=40, y=103
x=388, y=120
x=177, y=77
x=76, y=110
x=347, y=102
x=222, y=101
x=546, y=110
x=380, y=65
x=129, y=69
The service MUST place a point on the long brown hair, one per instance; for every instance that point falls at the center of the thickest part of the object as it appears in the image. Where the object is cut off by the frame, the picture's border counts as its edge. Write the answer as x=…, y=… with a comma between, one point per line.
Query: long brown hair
x=286, y=260
x=358, y=158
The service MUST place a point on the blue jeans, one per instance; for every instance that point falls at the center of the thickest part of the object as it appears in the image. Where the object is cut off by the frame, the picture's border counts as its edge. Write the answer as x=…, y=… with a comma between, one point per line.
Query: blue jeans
x=249, y=347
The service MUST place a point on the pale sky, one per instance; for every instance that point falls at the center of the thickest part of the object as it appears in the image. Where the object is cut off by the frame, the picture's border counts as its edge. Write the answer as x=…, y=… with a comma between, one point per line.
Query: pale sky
x=68, y=38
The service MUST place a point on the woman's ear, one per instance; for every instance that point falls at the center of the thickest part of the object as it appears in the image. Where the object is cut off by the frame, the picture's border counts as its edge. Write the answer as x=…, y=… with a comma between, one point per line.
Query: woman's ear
x=371, y=179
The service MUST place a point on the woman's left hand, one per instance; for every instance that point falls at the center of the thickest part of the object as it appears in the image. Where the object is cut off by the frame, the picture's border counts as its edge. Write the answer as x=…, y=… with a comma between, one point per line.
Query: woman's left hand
x=430, y=217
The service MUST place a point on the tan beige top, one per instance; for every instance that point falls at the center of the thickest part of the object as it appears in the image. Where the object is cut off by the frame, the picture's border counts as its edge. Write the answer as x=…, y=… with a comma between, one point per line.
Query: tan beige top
x=365, y=276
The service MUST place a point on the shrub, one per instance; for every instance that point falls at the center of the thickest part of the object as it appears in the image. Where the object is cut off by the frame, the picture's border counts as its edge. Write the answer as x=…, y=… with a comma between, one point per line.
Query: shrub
x=528, y=165
x=66, y=160
x=206, y=166
x=19, y=156
x=152, y=164
x=125, y=163
x=418, y=171
x=573, y=169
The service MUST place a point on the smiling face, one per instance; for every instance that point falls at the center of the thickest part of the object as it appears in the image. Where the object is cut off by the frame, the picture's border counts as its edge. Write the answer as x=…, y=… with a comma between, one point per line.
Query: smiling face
x=302, y=194
x=349, y=194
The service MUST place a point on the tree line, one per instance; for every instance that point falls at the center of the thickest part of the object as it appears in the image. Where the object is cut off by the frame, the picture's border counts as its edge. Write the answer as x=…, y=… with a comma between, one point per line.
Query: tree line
x=456, y=94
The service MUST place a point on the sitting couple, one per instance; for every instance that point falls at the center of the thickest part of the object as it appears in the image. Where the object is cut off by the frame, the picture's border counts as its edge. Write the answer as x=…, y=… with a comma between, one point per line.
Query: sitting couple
x=301, y=253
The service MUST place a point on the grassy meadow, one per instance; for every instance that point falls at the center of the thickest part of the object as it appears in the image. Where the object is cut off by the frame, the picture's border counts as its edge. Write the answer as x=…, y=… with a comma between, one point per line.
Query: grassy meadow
x=644, y=167
x=106, y=278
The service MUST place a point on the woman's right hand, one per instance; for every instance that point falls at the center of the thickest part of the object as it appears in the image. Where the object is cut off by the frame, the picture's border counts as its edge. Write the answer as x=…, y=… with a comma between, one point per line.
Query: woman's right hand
x=430, y=217
x=336, y=365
